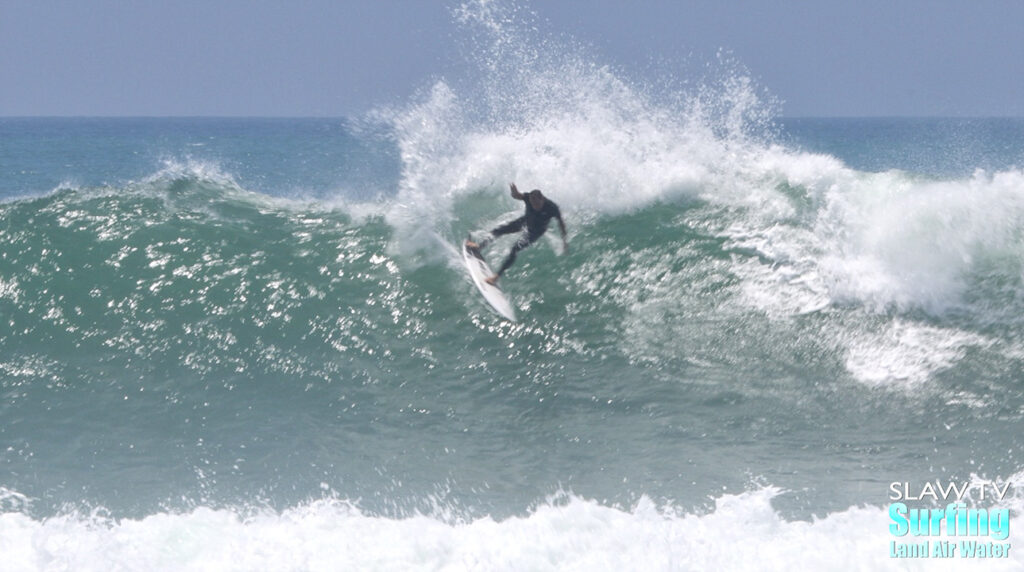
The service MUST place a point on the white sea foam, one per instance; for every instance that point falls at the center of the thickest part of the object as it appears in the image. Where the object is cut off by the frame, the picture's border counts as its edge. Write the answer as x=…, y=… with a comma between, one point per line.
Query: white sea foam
x=900, y=242
x=743, y=532
x=887, y=241
x=905, y=354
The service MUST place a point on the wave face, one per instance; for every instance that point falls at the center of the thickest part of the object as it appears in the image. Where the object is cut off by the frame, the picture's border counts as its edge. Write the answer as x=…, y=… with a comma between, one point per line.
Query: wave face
x=261, y=331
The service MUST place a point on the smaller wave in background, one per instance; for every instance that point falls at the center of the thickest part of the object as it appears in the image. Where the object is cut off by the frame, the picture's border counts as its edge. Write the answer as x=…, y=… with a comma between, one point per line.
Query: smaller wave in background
x=742, y=532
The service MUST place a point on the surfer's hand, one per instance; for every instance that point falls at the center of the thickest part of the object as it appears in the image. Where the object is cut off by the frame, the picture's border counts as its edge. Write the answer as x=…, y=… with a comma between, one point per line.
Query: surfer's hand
x=515, y=191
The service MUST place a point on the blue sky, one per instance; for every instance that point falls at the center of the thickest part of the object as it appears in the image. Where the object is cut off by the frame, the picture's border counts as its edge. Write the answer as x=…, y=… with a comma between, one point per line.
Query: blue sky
x=333, y=58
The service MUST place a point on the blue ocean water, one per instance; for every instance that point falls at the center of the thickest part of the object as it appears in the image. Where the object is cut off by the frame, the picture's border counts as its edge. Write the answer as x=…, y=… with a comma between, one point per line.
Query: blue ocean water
x=250, y=343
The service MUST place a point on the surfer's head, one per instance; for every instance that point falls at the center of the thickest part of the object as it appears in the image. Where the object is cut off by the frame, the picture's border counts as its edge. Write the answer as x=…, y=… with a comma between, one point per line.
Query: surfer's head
x=536, y=199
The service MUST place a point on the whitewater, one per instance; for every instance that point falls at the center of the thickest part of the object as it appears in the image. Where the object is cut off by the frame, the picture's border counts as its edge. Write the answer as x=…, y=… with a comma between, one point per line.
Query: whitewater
x=248, y=344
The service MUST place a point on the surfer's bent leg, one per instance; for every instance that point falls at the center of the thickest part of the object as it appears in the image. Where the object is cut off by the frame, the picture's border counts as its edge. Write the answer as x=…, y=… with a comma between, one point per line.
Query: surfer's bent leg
x=523, y=242
x=507, y=228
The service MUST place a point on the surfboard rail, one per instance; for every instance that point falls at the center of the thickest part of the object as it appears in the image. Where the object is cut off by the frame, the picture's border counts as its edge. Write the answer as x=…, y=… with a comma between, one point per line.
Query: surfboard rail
x=480, y=271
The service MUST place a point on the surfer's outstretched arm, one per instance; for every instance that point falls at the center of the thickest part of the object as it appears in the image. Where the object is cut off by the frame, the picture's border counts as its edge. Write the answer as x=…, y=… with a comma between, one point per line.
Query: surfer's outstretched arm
x=565, y=235
x=515, y=193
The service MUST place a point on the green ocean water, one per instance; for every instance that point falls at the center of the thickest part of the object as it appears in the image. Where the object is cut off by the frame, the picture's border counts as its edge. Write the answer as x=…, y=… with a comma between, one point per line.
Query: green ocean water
x=181, y=340
x=250, y=343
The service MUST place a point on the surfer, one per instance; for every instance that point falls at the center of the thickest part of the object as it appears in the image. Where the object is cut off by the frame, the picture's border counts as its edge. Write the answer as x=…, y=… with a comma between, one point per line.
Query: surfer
x=539, y=212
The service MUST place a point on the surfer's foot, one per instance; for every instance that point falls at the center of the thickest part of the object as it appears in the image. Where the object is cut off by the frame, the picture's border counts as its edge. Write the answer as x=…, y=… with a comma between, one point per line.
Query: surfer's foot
x=493, y=280
x=472, y=245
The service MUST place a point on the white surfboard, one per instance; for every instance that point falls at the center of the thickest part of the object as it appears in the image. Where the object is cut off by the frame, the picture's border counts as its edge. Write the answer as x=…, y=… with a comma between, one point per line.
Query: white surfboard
x=479, y=270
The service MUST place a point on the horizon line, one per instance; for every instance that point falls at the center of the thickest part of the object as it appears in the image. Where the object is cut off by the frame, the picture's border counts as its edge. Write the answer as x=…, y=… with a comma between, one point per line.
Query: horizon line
x=351, y=117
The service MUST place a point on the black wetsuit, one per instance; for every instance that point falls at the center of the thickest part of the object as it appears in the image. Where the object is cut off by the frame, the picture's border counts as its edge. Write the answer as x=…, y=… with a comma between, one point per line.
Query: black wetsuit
x=536, y=223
